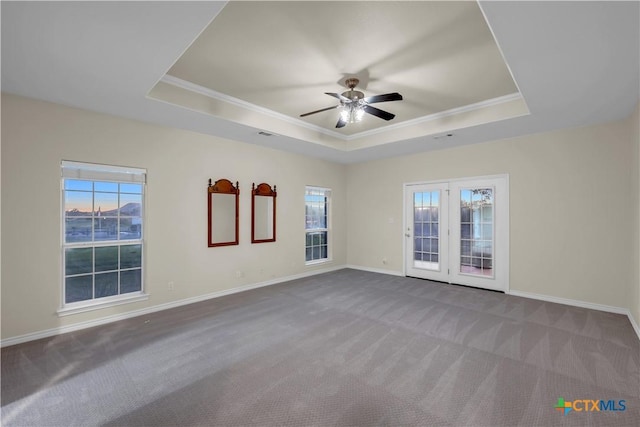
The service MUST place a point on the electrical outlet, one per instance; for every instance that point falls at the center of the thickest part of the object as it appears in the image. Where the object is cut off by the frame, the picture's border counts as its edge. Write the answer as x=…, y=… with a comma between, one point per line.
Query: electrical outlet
x=171, y=286
x=239, y=274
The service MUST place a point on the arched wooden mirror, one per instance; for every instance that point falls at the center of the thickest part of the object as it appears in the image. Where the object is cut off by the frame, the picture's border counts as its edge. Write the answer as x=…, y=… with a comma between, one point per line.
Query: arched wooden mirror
x=223, y=202
x=263, y=213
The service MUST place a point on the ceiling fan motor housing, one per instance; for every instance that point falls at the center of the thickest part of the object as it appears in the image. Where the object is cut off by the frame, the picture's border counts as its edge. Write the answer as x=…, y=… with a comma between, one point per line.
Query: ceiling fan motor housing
x=353, y=95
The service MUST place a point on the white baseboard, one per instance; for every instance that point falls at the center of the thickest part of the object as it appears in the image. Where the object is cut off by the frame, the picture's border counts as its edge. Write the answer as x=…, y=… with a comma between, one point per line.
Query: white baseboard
x=634, y=323
x=567, y=301
x=375, y=270
x=582, y=304
x=122, y=316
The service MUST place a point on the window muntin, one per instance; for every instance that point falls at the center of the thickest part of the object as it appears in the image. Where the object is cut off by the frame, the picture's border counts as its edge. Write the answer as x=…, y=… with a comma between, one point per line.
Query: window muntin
x=317, y=203
x=102, y=208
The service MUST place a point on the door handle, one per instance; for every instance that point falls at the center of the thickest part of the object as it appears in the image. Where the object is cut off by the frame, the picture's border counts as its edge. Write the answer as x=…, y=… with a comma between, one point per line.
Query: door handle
x=407, y=234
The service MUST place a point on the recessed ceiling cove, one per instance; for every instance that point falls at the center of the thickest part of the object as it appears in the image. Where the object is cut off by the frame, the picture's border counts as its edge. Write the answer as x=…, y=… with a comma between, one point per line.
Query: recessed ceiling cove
x=265, y=63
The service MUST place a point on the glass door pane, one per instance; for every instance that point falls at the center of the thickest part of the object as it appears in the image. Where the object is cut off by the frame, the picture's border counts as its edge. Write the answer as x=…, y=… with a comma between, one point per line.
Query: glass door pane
x=426, y=222
x=476, y=231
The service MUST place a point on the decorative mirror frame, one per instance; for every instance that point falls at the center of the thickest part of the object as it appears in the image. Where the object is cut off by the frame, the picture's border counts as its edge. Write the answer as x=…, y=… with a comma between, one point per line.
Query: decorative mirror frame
x=222, y=186
x=262, y=189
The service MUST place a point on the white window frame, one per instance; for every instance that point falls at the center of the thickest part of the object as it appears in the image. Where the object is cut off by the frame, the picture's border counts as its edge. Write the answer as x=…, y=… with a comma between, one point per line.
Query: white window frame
x=327, y=229
x=99, y=172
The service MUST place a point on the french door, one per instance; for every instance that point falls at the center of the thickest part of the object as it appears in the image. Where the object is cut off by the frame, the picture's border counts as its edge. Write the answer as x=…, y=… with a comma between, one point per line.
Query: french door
x=426, y=226
x=457, y=231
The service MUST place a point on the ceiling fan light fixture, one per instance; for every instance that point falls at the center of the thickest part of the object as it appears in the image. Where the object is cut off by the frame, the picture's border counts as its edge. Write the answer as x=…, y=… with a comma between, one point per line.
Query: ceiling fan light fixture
x=352, y=112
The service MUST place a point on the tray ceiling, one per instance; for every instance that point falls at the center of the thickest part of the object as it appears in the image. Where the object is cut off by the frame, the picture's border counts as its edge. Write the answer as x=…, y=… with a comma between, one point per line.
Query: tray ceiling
x=283, y=56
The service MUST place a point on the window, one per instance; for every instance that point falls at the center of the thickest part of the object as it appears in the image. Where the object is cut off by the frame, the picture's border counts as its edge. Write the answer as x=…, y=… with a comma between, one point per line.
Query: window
x=102, y=229
x=317, y=224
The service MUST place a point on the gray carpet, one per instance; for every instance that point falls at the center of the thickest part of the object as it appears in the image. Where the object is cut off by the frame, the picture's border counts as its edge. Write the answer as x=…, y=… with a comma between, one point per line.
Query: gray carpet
x=346, y=348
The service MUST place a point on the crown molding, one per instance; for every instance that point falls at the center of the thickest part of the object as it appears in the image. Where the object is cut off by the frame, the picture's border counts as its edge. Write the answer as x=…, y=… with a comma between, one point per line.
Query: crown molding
x=192, y=87
x=436, y=116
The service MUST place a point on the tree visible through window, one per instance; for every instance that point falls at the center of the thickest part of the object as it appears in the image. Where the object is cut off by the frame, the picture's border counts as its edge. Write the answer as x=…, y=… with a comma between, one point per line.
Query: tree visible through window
x=317, y=223
x=102, y=231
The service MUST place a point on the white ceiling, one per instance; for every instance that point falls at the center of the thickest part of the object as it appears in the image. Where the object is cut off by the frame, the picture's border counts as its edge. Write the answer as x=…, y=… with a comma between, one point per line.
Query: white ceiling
x=574, y=63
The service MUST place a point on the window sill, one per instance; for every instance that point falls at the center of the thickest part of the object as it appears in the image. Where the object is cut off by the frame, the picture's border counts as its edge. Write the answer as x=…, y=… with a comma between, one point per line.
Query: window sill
x=318, y=261
x=97, y=305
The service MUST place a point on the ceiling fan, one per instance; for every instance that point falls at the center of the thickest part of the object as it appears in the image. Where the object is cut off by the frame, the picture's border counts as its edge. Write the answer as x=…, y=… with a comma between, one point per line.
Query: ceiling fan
x=354, y=104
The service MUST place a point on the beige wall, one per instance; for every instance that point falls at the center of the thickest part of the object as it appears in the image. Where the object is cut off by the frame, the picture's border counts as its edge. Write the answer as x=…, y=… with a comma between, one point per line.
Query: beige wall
x=570, y=207
x=634, y=298
x=36, y=136
x=585, y=244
